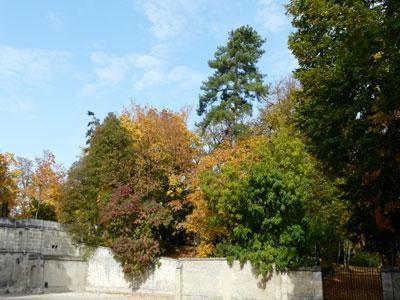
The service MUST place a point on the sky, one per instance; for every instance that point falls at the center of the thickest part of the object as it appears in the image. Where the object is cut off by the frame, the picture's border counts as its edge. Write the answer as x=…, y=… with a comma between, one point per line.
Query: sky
x=59, y=59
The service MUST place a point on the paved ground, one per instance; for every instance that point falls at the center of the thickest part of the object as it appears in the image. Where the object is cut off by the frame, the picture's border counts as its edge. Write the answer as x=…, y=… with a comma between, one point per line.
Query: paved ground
x=81, y=296
x=67, y=296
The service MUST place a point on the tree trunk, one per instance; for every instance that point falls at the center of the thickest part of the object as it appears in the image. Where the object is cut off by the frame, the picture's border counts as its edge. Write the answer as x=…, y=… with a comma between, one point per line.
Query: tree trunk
x=4, y=209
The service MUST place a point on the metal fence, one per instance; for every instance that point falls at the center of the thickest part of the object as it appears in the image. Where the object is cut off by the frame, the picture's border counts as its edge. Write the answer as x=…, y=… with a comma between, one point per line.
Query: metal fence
x=352, y=283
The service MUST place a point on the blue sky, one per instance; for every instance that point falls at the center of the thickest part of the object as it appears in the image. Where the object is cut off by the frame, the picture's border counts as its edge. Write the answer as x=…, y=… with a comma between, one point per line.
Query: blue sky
x=59, y=59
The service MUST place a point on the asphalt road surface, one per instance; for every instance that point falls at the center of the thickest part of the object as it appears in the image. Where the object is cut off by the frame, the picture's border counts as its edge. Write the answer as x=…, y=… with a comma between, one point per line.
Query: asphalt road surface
x=82, y=296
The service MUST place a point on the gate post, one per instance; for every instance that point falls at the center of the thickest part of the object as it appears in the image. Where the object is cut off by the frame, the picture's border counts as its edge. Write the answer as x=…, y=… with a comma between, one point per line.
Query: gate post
x=178, y=280
x=391, y=283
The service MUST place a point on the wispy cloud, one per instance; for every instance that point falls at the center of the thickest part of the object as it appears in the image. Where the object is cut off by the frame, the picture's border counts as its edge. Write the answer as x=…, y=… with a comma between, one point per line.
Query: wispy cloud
x=183, y=76
x=169, y=18
x=29, y=65
x=173, y=18
x=141, y=71
x=22, y=69
x=271, y=15
x=15, y=104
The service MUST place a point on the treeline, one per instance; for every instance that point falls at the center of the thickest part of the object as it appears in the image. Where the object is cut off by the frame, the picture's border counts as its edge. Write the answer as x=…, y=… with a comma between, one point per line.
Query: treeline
x=30, y=188
x=129, y=190
x=314, y=176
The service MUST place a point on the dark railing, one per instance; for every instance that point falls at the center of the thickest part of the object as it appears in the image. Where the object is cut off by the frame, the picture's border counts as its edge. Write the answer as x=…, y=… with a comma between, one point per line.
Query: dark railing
x=352, y=283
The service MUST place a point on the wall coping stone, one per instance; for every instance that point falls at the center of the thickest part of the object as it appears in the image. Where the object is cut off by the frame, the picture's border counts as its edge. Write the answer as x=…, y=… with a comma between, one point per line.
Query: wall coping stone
x=31, y=223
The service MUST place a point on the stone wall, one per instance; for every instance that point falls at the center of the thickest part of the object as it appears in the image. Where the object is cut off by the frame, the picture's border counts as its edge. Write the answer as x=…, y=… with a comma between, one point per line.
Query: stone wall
x=203, y=279
x=105, y=275
x=37, y=255
x=64, y=275
x=215, y=278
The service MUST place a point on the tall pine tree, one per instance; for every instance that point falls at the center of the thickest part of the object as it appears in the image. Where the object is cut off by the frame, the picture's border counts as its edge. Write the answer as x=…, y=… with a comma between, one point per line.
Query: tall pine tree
x=228, y=94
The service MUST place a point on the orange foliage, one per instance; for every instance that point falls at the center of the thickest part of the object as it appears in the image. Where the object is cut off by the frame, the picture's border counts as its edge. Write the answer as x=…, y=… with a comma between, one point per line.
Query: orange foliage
x=41, y=183
x=162, y=137
x=47, y=180
x=164, y=146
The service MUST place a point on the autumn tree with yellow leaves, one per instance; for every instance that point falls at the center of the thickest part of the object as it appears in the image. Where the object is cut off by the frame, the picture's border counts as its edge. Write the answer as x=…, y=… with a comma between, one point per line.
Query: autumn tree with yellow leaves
x=8, y=184
x=129, y=189
x=143, y=218
x=45, y=187
x=37, y=186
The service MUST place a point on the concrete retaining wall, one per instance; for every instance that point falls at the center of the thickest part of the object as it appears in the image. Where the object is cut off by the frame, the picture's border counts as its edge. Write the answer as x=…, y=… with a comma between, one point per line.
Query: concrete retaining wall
x=104, y=273
x=203, y=279
x=37, y=255
x=214, y=278
x=18, y=272
x=64, y=275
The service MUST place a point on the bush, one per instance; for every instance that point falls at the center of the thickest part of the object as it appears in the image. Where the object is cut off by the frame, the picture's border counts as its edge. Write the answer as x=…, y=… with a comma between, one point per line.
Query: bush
x=365, y=259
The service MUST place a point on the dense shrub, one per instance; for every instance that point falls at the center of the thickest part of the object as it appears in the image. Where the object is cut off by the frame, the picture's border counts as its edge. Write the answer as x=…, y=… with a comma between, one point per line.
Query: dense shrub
x=365, y=259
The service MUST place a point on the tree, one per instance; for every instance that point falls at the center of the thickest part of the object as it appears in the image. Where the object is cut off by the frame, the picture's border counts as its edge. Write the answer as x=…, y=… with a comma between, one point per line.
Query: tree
x=24, y=170
x=348, y=54
x=106, y=163
x=280, y=109
x=92, y=125
x=44, y=188
x=266, y=203
x=142, y=219
x=38, y=185
x=327, y=212
x=228, y=94
x=8, y=186
x=266, y=200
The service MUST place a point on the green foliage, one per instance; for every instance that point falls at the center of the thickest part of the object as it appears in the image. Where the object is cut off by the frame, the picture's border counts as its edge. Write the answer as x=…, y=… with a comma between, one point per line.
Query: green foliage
x=326, y=213
x=110, y=156
x=348, y=107
x=79, y=208
x=106, y=164
x=264, y=217
x=228, y=94
x=266, y=199
x=42, y=210
x=365, y=259
x=277, y=208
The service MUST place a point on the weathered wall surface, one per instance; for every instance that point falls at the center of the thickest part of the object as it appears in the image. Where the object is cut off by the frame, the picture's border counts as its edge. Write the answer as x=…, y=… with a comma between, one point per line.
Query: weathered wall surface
x=391, y=283
x=33, y=252
x=203, y=279
x=35, y=236
x=214, y=278
x=18, y=272
x=105, y=274
x=64, y=275
x=38, y=256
